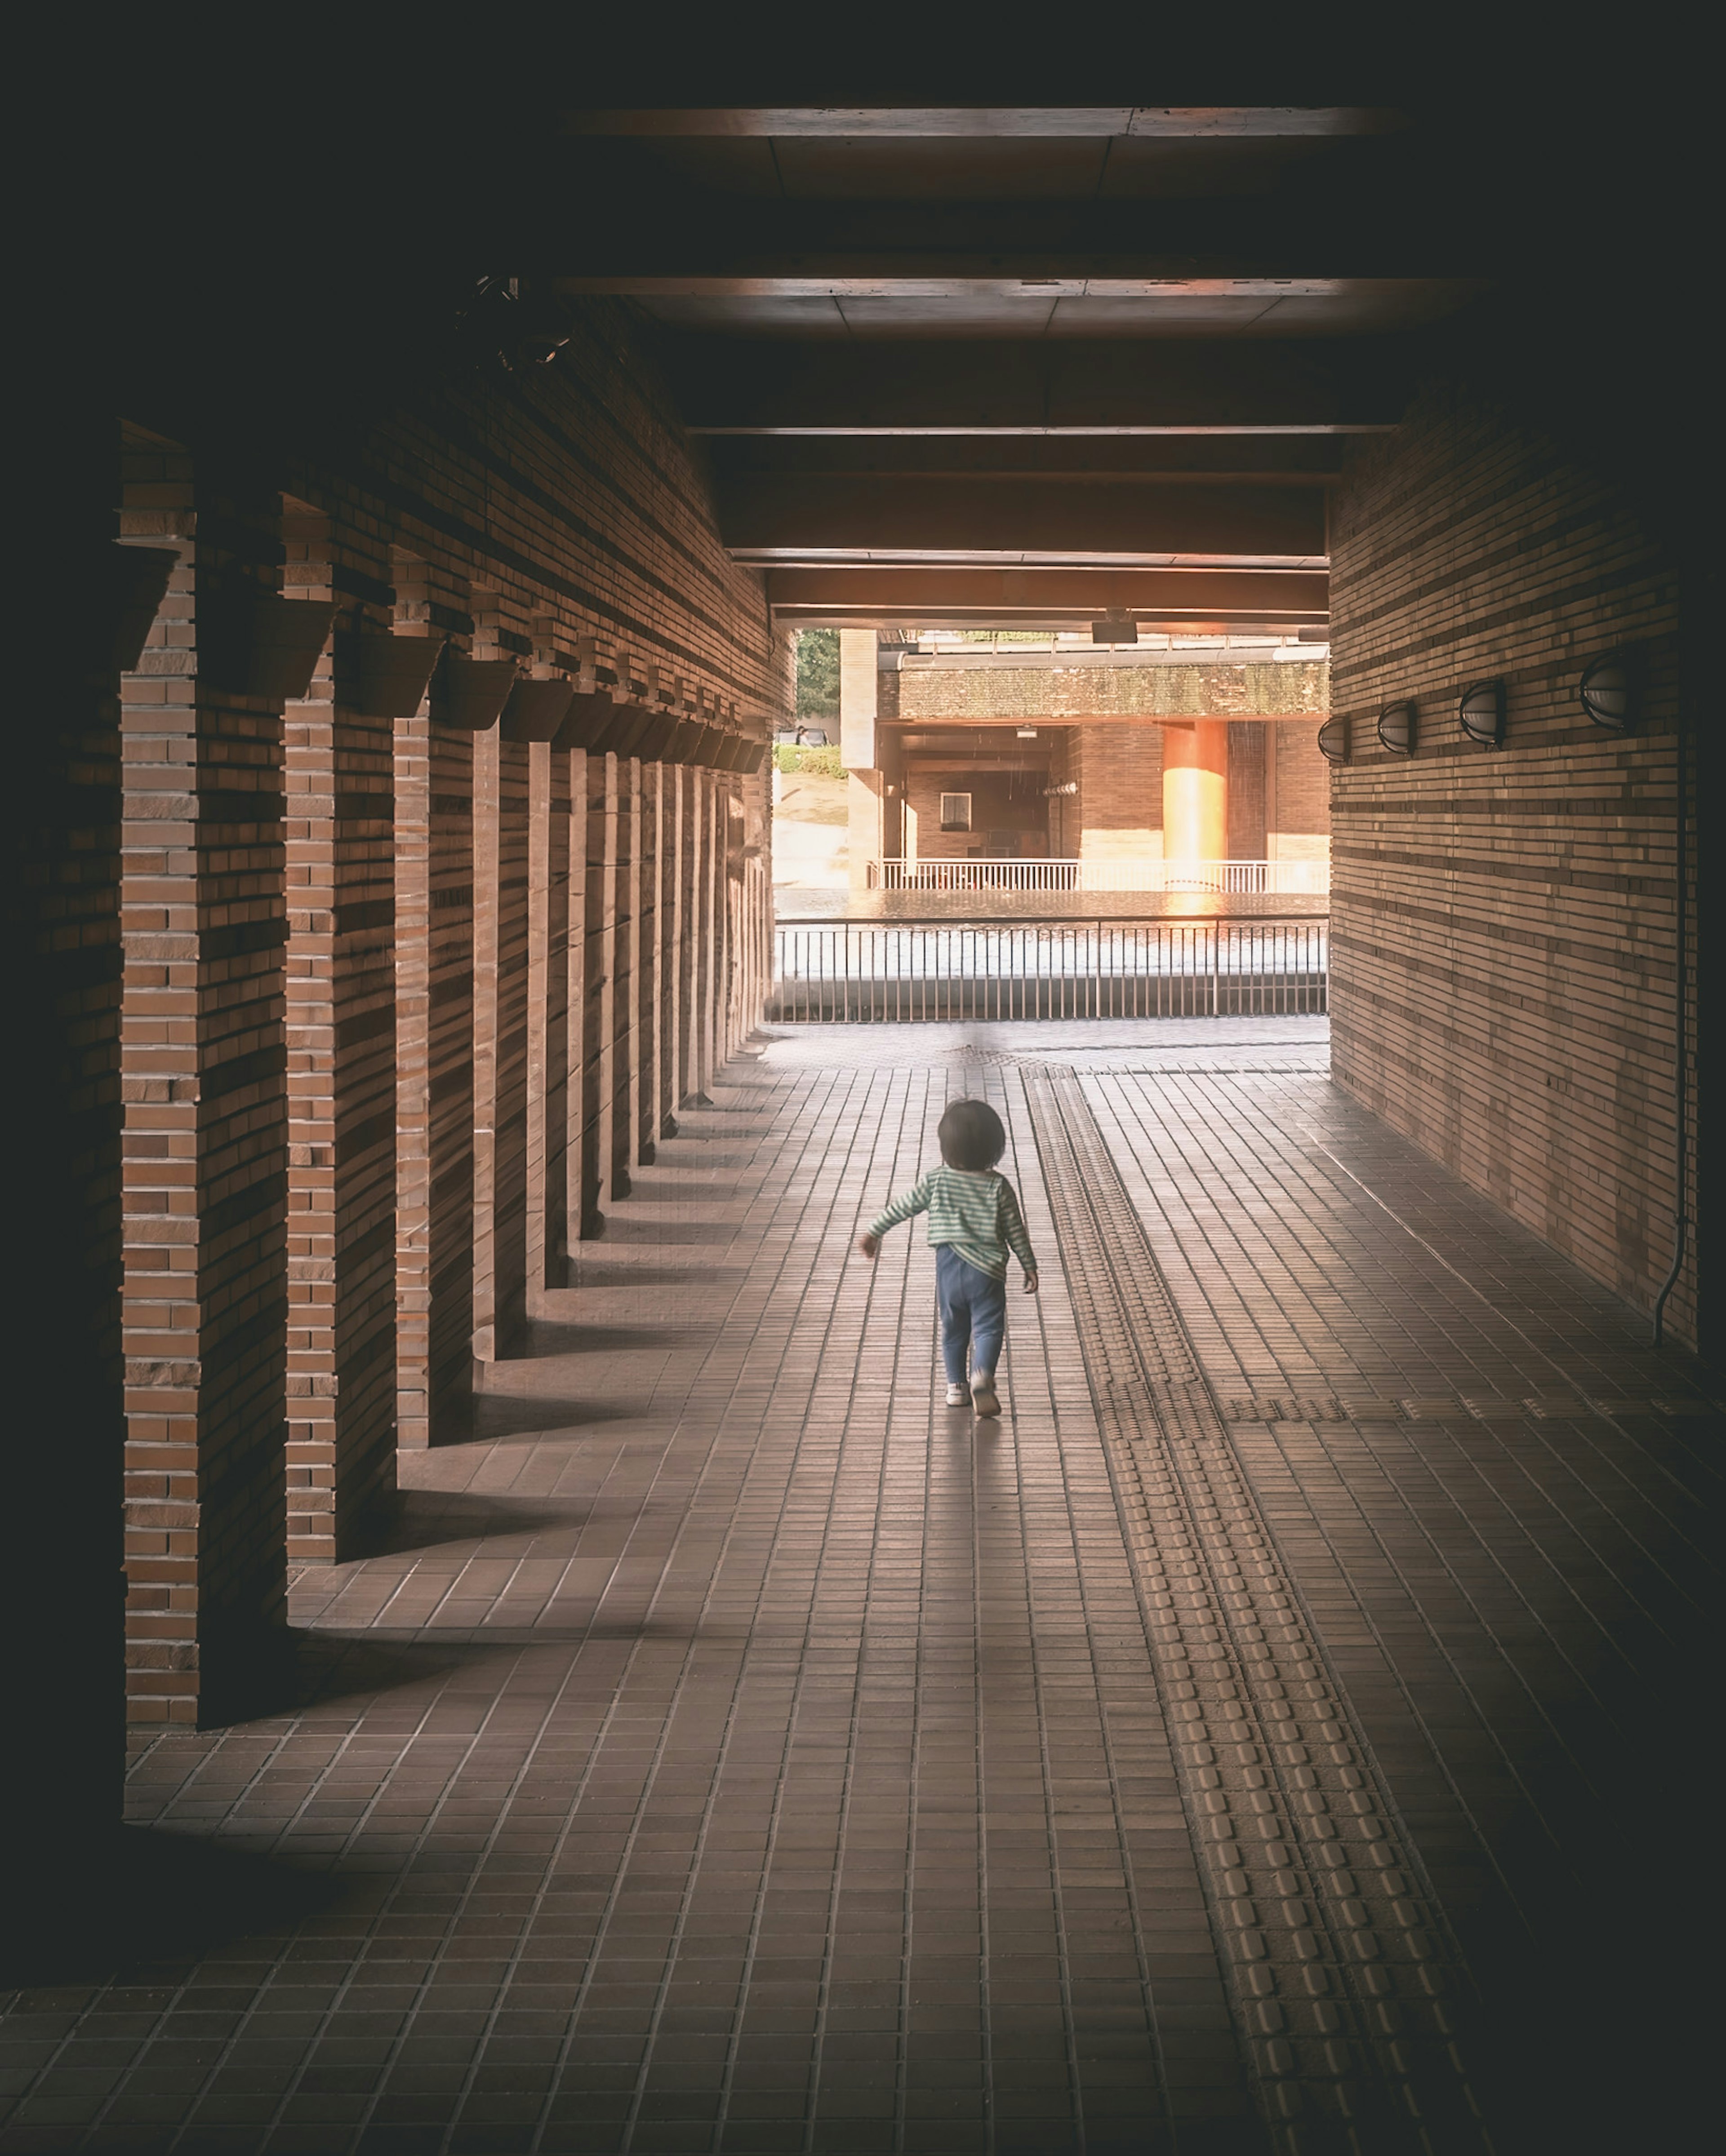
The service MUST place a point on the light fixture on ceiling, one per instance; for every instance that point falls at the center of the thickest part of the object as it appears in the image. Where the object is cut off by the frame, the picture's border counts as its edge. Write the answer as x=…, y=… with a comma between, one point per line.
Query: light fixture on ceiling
x=1116, y=627
x=1398, y=724
x=1027, y=733
x=1481, y=710
x=1608, y=690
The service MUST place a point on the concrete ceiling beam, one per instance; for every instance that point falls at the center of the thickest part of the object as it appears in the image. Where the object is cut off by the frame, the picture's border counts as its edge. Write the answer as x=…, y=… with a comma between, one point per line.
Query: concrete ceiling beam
x=1131, y=460
x=786, y=517
x=745, y=386
x=1191, y=601
x=1065, y=122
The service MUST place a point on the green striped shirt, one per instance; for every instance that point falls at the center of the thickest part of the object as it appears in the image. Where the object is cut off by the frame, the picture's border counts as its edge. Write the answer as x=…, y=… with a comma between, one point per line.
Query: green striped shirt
x=974, y=1209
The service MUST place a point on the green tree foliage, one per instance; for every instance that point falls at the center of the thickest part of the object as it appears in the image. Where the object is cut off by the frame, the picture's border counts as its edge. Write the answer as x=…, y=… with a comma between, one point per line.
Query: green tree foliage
x=818, y=674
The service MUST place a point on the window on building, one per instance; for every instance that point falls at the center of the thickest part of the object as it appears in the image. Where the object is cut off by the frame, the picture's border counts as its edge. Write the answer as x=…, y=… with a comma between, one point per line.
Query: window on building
x=955, y=811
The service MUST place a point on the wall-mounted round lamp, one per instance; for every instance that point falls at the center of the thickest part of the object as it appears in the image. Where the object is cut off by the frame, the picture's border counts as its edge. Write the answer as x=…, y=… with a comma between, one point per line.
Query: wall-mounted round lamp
x=1333, y=740
x=1397, y=723
x=1481, y=709
x=1608, y=690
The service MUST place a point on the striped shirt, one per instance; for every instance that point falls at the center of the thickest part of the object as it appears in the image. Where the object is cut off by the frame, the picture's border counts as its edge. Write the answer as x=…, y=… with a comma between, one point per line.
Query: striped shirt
x=975, y=1211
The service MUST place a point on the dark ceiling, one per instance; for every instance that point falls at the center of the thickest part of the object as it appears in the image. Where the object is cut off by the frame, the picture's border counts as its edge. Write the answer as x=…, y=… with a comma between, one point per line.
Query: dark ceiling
x=1080, y=338
x=968, y=362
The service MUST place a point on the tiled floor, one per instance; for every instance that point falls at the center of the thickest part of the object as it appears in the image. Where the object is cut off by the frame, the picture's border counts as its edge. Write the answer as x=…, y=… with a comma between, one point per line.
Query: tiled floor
x=735, y=1750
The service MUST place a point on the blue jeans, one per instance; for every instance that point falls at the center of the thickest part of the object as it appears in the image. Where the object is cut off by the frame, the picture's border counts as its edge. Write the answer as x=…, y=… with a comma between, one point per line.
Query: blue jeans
x=973, y=1313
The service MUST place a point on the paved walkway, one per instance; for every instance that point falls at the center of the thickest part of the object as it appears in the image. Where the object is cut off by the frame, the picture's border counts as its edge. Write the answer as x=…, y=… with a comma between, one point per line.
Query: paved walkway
x=735, y=1750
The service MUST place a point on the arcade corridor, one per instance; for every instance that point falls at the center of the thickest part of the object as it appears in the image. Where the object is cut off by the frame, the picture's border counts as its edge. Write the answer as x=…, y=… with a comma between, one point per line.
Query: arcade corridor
x=732, y=1749
x=566, y=1685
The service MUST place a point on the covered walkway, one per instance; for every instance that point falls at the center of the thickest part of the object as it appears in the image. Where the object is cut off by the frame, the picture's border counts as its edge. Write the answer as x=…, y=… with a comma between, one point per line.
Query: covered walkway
x=734, y=1750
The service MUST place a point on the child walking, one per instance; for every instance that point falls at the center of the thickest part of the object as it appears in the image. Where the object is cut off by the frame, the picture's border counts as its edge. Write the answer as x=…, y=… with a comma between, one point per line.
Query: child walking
x=974, y=1220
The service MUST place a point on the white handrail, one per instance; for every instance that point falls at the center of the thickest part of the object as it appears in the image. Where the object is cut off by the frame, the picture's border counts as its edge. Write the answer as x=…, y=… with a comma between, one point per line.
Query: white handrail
x=1286, y=879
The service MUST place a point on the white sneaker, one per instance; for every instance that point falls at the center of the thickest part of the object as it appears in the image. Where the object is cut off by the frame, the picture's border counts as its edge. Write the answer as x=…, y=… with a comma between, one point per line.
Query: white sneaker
x=959, y=1396
x=983, y=1392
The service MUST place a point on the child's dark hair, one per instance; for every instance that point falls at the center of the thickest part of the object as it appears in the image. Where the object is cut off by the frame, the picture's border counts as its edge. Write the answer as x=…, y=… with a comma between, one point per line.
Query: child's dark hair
x=972, y=1135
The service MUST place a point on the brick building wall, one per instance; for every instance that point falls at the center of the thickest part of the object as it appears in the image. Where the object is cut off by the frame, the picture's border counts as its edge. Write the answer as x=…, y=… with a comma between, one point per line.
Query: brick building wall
x=1503, y=981
x=1116, y=814
x=1009, y=813
x=1298, y=790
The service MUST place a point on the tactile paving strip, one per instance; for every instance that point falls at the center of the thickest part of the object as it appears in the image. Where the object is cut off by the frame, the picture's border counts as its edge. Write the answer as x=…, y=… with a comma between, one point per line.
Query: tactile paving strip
x=1345, y=1979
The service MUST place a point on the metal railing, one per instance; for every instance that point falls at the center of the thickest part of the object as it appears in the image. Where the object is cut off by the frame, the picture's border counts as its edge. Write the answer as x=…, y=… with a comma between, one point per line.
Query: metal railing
x=1280, y=879
x=853, y=972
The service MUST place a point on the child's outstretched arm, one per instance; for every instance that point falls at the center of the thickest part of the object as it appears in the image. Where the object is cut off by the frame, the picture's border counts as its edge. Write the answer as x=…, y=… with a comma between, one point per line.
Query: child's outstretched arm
x=1018, y=1235
x=904, y=1206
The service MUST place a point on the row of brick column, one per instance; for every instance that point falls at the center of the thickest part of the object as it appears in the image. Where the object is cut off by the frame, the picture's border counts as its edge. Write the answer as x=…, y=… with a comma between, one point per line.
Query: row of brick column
x=405, y=1005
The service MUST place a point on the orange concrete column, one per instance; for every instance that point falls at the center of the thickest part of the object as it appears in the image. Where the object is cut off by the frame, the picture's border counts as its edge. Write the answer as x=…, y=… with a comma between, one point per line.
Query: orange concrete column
x=1196, y=790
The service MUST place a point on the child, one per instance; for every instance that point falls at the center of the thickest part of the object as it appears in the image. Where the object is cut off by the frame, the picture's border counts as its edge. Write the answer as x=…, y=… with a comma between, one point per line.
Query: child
x=974, y=1220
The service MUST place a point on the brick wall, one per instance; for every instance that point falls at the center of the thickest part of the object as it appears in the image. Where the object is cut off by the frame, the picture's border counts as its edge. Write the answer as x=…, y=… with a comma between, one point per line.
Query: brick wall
x=1001, y=803
x=1503, y=970
x=1116, y=813
x=1297, y=794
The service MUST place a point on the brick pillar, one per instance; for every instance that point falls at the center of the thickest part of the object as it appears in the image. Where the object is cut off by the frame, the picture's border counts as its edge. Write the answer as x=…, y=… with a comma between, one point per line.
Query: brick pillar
x=61, y=954
x=500, y=1046
x=1246, y=804
x=710, y=873
x=342, y=1082
x=723, y=922
x=626, y=1036
x=549, y=1011
x=736, y=939
x=203, y=1075
x=599, y=1034
x=671, y=944
x=692, y=1076
x=1195, y=789
x=689, y=916
x=434, y=1085
x=647, y=963
x=575, y=769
